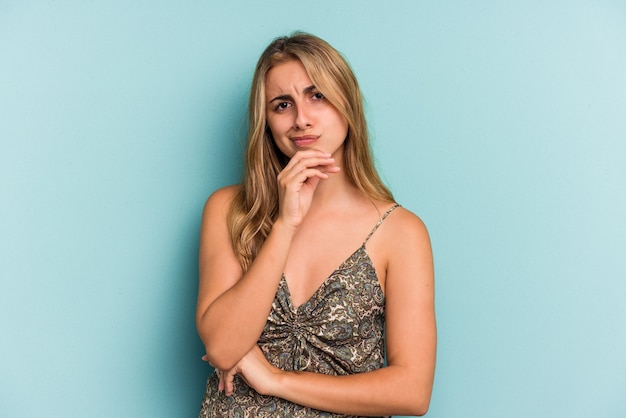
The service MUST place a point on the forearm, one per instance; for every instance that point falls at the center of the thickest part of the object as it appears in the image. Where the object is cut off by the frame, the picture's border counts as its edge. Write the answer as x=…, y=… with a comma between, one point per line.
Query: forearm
x=392, y=390
x=232, y=324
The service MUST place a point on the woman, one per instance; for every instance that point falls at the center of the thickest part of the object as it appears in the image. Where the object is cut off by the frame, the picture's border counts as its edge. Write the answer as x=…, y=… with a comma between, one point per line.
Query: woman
x=304, y=264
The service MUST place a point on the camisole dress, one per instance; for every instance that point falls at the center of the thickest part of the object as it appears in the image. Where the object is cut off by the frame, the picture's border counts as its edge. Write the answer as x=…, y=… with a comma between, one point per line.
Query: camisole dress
x=338, y=331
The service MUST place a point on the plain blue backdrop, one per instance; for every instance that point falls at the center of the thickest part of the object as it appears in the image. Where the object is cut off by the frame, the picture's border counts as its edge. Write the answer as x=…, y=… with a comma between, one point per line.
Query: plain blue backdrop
x=502, y=124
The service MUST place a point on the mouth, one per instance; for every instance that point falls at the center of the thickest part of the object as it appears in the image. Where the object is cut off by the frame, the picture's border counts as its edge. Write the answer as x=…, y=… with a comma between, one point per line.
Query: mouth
x=304, y=140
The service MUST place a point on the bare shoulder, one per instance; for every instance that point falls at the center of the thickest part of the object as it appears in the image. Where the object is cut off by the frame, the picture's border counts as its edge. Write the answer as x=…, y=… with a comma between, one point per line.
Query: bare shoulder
x=215, y=238
x=221, y=199
x=215, y=213
x=407, y=248
x=403, y=247
x=404, y=228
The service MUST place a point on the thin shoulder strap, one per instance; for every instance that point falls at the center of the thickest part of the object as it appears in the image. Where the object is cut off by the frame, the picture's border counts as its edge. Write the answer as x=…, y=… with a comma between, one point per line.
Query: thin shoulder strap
x=380, y=222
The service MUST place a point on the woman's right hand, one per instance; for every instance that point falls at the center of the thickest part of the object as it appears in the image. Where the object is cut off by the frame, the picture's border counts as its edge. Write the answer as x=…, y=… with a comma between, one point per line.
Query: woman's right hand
x=297, y=183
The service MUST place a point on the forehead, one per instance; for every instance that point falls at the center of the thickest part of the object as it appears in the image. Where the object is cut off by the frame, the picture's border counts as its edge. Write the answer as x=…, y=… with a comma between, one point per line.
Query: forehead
x=290, y=76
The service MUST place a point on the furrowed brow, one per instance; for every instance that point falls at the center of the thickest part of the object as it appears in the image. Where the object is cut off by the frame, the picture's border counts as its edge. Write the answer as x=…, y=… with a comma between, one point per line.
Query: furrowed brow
x=287, y=97
x=282, y=98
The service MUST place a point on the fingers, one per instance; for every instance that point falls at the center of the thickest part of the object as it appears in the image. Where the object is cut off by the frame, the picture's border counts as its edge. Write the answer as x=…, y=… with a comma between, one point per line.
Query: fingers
x=298, y=181
x=311, y=158
x=228, y=378
x=220, y=385
x=306, y=164
x=226, y=381
x=304, y=167
x=295, y=179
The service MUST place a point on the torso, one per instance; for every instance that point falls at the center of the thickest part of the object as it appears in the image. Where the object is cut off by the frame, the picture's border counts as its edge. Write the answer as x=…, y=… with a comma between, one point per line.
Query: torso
x=335, y=328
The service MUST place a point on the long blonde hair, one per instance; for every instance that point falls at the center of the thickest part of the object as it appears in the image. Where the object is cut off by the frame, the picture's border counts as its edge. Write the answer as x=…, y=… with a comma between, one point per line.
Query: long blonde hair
x=255, y=206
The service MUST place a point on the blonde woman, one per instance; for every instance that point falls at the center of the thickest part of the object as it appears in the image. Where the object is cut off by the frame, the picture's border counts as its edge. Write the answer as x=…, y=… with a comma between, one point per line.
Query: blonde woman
x=310, y=274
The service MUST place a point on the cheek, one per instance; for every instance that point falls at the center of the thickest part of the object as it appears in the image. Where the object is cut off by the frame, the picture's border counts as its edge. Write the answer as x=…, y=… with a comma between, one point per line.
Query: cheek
x=275, y=126
x=276, y=134
x=342, y=125
x=345, y=127
x=287, y=152
x=337, y=120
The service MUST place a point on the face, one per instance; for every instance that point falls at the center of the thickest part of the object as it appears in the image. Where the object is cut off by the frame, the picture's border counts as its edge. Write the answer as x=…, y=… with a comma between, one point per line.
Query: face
x=298, y=114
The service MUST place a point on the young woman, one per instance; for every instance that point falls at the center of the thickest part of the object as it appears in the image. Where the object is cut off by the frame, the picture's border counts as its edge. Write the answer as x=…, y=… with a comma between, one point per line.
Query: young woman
x=310, y=273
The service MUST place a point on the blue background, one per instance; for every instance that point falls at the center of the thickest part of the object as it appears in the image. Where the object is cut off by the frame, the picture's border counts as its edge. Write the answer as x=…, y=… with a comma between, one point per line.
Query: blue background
x=502, y=124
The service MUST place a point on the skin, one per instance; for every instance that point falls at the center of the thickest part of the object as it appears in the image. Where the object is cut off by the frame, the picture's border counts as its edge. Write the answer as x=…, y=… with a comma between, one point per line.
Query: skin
x=322, y=219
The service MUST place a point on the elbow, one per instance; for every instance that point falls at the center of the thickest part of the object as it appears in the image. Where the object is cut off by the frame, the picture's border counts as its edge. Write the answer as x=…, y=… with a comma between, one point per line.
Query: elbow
x=417, y=401
x=219, y=359
x=222, y=352
x=417, y=407
x=420, y=409
x=421, y=403
x=218, y=354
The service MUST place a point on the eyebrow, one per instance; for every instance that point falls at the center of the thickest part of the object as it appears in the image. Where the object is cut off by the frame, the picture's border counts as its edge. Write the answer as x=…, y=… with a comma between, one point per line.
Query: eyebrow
x=307, y=90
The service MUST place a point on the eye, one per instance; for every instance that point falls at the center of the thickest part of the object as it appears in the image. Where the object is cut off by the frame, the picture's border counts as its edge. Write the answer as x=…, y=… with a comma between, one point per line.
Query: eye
x=282, y=106
x=318, y=96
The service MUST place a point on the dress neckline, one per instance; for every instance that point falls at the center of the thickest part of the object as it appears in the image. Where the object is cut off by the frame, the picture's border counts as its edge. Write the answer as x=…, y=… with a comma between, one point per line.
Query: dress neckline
x=329, y=278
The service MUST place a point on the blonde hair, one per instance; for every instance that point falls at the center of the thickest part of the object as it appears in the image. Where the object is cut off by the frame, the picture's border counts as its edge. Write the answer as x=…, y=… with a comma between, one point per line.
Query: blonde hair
x=255, y=206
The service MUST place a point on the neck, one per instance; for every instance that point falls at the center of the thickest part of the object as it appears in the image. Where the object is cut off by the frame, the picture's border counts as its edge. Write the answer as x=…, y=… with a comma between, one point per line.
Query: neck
x=335, y=191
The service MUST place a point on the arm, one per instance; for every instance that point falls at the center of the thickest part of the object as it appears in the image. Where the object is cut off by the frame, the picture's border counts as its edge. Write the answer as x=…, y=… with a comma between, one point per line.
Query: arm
x=405, y=386
x=232, y=305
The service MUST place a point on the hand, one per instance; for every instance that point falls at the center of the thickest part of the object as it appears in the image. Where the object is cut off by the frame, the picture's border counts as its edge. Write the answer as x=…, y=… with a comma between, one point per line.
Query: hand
x=223, y=376
x=297, y=183
x=255, y=370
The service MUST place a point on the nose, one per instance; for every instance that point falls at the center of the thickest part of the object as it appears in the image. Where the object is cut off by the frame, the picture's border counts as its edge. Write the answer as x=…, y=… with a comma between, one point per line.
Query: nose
x=302, y=120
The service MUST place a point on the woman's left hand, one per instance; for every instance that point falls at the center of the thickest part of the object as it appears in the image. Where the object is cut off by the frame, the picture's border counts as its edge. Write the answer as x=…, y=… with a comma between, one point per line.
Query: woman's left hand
x=255, y=370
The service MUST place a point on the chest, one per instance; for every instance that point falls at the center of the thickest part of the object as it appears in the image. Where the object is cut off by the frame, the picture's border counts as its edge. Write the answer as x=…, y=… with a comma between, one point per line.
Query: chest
x=348, y=300
x=316, y=253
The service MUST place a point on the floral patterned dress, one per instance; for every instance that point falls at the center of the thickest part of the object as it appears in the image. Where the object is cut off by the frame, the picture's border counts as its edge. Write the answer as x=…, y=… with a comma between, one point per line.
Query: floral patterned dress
x=338, y=331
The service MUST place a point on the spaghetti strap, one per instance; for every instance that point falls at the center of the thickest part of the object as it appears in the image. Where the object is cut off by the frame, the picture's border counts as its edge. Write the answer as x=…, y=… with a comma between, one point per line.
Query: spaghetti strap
x=380, y=222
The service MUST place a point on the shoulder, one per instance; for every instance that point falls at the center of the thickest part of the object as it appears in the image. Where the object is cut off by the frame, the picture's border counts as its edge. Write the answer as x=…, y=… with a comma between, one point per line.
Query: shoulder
x=222, y=198
x=405, y=238
x=218, y=204
x=403, y=225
